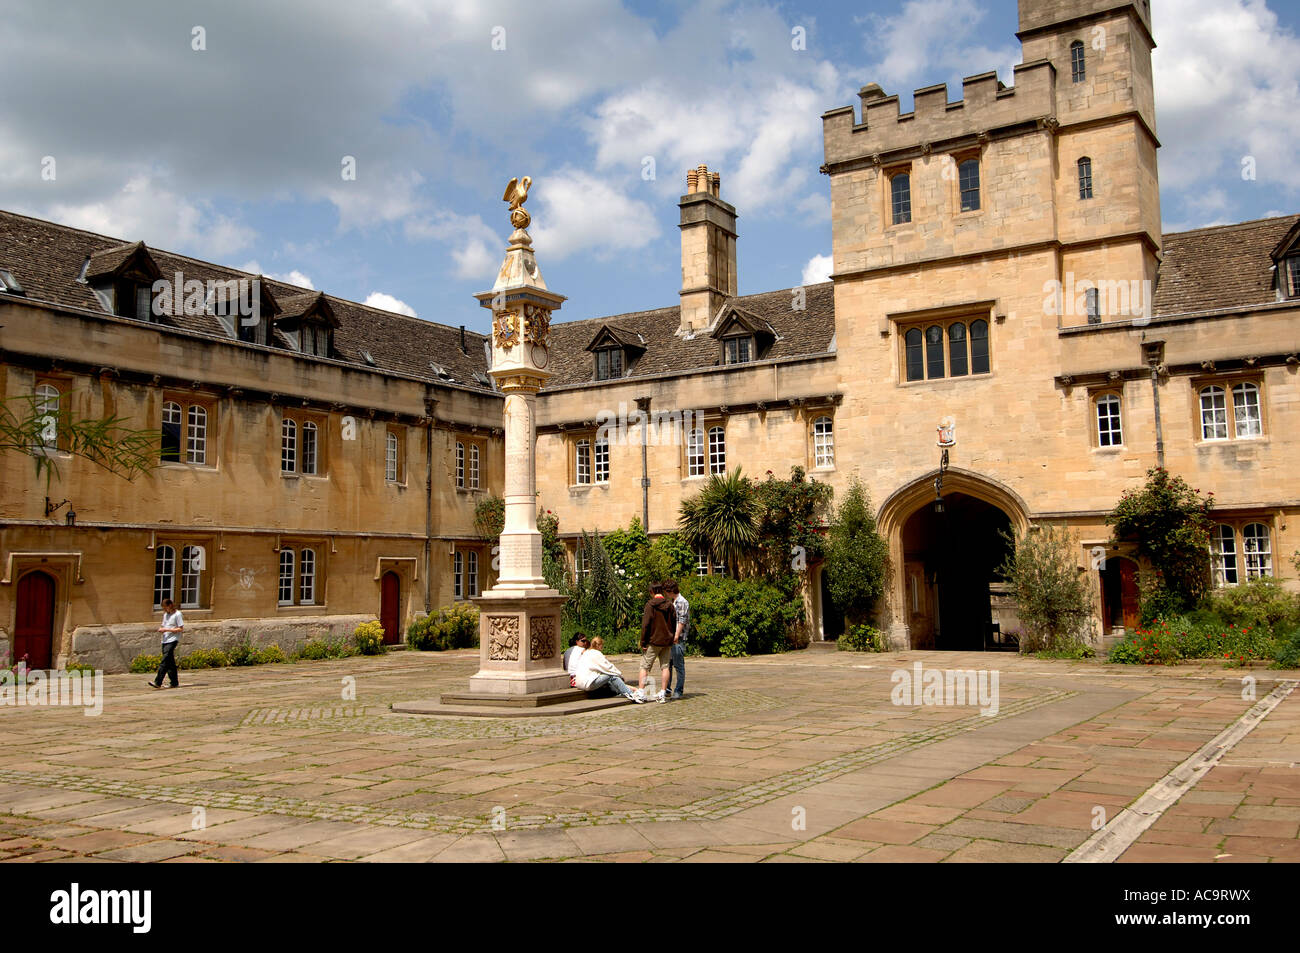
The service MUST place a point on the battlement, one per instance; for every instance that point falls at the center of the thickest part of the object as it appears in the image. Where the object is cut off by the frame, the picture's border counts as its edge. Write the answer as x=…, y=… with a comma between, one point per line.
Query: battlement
x=986, y=105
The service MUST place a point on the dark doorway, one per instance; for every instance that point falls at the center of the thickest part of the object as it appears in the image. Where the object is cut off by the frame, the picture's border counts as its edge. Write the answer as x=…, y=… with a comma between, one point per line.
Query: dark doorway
x=1119, y=594
x=950, y=558
x=34, y=628
x=390, y=607
x=832, y=616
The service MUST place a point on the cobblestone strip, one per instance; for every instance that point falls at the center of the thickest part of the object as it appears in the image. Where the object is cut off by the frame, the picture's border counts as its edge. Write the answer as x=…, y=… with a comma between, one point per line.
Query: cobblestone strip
x=711, y=808
x=277, y=716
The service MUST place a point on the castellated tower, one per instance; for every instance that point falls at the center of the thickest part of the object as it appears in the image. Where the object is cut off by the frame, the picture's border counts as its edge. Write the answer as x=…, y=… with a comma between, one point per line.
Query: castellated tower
x=1060, y=166
x=708, y=249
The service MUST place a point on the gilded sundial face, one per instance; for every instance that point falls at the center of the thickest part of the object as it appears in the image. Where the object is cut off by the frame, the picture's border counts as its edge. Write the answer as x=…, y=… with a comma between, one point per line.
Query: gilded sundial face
x=540, y=355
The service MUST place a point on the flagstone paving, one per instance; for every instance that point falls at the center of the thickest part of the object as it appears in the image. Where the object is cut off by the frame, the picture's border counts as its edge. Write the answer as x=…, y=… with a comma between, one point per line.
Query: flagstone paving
x=799, y=757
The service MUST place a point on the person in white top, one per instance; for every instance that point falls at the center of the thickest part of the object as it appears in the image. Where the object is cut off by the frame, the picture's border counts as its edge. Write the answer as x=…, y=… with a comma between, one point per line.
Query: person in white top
x=572, y=654
x=594, y=672
x=173, y=624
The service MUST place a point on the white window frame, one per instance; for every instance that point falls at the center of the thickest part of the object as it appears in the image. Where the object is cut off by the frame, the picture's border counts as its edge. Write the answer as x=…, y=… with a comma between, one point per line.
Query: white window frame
x=717, y=450
x=473, y=466
x=1108, y=414
x=176, y=413
x=48, y=398
x=164, y=574
x=1214, y=416
x=390, y=456
x=196, y=435
x=460, y=464
x=310, y=448
x=824, y=443
x=1257, y=550
x=1223, y=547
x=288, y=570
x=695, y=457
x=1247, y=412
x=471, y=573
x=289, y=445
x=582, y=462
x=307, y=577
x=457, y=575
x=600, y=460
x=191, y=569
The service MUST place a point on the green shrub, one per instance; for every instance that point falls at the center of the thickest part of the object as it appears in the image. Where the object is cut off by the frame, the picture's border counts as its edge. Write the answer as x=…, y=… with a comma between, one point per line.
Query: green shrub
x=145, y=663
x=735, y=617
x=624, y=642
x=242, y=652
x=1159, y=602
x=1287, y=650
x=1167, y=642
x=857, y=556
x=454, y=627
x=1261, y=603
x=271, y=655
x=204, y=658
x=318, y=649
x=862, y=638
x=79, y=667
x=369, y=638
x=1053, y=599
x=1170, y=523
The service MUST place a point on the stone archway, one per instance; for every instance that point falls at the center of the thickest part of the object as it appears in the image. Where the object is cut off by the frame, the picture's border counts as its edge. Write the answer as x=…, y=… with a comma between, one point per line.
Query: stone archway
x=942, y=565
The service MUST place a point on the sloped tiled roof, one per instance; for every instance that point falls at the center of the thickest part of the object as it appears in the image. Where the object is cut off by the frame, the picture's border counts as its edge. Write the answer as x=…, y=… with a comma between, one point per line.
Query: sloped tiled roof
x=47, y=258
x=1218, y=268
x=798, y=333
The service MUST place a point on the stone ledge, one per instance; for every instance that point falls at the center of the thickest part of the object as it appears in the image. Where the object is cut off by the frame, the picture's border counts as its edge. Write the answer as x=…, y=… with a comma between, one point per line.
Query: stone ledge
x=498, y=709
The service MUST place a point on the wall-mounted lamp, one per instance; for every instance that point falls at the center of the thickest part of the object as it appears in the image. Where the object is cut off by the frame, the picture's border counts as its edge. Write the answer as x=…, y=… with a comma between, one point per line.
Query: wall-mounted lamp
x=52, y=508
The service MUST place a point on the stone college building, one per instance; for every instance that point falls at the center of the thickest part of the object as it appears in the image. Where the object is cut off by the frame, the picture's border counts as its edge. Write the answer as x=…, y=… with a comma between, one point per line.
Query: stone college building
x=999, y=269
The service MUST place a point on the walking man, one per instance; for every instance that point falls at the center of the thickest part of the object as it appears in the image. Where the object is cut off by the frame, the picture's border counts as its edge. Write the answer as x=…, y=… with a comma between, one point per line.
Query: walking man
x=658, y=625
x=173, y=624
x=683, y=609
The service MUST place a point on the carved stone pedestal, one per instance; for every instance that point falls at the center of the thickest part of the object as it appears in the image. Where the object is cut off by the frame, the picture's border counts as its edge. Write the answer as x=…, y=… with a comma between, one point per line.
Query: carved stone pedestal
x=519, y=643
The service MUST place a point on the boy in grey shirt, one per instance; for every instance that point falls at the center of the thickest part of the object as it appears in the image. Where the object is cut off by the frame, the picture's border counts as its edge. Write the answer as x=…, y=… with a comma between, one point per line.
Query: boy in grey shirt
x=683, y=609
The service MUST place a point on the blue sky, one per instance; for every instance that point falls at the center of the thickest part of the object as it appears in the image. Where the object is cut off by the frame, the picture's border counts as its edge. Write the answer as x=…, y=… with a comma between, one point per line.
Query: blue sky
x=233, y=153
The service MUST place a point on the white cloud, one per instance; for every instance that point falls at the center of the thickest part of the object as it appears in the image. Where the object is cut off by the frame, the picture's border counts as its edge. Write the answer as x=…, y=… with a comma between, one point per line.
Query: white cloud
x=752, y=114
x=475, y=248
x=931, y=35
x=817, y=270
x=295, y=277
x=1227, y=78
x=146, y=208
x=576, y=211
x=386, y=302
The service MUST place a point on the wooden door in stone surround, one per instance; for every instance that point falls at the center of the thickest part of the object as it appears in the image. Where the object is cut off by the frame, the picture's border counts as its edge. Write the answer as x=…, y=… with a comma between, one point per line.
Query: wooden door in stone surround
x=390, y=607
x=34, y=626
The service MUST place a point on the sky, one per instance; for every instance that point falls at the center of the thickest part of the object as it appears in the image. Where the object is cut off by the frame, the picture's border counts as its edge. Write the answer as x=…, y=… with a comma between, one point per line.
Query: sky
x=226, y=129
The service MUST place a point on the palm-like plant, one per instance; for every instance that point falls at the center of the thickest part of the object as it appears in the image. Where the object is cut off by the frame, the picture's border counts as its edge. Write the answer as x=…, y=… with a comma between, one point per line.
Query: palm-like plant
x=723, y=518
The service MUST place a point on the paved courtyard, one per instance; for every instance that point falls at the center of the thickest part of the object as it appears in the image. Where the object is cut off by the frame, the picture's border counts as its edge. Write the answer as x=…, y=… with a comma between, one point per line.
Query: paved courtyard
x=800, y=757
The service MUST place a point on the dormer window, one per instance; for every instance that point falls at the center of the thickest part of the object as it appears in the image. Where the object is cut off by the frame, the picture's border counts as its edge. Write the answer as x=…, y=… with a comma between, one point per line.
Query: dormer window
x=315, y=340
x=609, y=363
x=738, y=350
x=614, y=350
x=1292, y=267
x=307, y=322
x=743, y=337
x=122, y=280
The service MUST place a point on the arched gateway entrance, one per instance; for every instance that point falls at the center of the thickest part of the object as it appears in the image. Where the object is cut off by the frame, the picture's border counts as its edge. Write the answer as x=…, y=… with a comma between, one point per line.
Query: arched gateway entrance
x=945, y=564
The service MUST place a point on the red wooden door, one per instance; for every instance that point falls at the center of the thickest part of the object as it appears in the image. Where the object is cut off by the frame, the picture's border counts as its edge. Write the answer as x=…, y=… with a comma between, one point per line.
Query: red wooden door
x=1128, y=592
x=390, y=602
x=34, y=631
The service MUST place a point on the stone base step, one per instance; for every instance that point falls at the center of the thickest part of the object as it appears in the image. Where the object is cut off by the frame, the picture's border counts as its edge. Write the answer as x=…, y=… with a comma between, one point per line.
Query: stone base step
x=479, y=710
x=534, y=700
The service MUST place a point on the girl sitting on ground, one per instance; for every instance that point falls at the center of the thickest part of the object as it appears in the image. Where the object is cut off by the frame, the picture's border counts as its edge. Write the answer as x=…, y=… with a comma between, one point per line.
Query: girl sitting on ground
x=595, y=672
